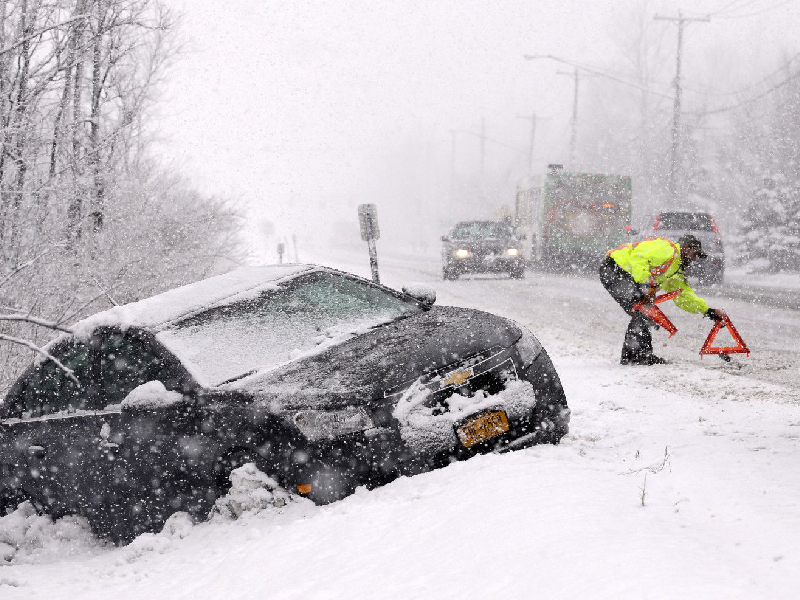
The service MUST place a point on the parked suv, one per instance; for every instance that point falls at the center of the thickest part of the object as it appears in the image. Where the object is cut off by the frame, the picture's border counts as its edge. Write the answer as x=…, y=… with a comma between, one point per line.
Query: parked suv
x=673, y=225
x=482, y=247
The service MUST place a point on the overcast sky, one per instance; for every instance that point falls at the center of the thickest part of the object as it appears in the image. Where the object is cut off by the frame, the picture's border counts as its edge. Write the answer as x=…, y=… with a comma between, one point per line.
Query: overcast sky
x=309, y=108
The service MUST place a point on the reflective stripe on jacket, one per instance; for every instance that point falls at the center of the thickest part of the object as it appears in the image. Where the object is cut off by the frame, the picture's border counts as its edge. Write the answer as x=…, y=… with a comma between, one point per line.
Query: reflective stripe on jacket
x=658, y=261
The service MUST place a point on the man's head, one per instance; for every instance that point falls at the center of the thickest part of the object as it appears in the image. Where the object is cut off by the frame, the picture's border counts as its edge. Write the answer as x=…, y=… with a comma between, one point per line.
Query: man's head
x=691, y=249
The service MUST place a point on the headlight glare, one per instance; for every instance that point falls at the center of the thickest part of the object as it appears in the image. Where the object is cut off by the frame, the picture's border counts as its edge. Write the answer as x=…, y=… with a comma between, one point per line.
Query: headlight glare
x=513, y=251
x=462, y=253
x=318, y=424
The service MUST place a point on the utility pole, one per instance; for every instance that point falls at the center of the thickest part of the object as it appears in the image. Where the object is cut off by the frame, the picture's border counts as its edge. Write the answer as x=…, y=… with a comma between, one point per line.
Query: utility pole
x=676, y=113
x=573, y=138
x=452, y=169
x=532, y=119
x=483, y=143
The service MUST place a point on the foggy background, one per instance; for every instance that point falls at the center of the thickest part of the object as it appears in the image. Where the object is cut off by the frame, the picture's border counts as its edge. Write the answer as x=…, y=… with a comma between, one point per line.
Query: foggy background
x=301, y=111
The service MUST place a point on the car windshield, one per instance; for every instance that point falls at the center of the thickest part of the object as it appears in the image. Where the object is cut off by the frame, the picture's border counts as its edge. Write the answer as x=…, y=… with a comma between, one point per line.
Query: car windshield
x=480, y=229
x=684, y=221
x=300, y=317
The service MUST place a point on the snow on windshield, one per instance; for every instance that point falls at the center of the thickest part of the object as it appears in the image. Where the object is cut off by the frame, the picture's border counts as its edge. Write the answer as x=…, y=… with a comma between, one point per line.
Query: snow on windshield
x=305, y=315
x=480, y=230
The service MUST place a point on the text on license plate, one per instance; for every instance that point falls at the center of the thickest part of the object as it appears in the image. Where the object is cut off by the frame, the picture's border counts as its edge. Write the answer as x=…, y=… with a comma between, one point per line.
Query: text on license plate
x=483, y=427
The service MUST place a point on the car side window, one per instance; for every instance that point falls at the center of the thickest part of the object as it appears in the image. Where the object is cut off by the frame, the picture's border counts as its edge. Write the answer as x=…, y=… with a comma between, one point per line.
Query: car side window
x=48, y=388
x=126, y=361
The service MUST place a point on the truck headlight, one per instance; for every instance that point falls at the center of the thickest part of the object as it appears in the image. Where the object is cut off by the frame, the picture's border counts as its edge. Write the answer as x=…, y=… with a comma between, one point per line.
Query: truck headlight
x=463, y=253
x=513, y=251
x=528, y=348
x=319, y=424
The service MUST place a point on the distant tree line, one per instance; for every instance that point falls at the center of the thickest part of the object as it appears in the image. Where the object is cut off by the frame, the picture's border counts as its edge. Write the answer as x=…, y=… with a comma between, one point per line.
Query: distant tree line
x=88, y=218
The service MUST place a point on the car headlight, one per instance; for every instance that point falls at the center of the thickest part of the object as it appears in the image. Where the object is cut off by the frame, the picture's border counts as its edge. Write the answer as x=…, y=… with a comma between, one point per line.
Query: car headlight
x=319, y=424
x=528, y=348
x=462, y=253
x=513, y=251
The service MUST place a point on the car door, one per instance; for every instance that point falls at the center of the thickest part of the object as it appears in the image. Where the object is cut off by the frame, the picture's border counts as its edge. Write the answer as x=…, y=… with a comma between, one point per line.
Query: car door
x=145, y=446
x=53, y=428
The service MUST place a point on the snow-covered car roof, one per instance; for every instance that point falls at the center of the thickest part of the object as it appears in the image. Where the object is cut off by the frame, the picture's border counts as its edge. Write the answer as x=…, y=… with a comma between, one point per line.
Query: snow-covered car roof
x=158, y=311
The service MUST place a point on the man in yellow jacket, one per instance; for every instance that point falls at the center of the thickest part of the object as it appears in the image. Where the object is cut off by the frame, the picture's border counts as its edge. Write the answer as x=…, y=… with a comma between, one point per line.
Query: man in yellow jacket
x=634, y=272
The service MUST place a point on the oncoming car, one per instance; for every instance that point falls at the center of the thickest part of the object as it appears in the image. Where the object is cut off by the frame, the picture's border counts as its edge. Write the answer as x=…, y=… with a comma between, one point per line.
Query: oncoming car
x=324, y=380
x=482, y=247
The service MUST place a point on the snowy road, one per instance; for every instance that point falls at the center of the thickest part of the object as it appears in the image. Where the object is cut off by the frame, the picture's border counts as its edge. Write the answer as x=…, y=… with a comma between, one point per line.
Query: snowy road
x=680, y=480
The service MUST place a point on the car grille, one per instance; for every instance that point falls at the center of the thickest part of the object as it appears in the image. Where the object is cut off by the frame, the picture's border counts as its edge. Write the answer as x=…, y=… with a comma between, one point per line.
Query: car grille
x=490, y=382
x=491, y=369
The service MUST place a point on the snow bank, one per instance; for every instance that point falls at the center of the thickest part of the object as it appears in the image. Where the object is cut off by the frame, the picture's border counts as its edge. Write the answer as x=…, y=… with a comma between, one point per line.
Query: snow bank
x=26, y=537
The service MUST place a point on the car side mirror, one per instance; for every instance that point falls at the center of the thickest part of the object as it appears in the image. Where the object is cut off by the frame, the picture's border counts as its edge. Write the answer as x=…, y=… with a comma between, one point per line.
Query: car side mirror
x=422, y=293
x=445, y=238
x=154, y=396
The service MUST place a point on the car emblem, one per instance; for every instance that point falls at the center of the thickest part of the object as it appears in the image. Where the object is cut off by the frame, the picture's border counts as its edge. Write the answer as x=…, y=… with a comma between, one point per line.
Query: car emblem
x=457, y=377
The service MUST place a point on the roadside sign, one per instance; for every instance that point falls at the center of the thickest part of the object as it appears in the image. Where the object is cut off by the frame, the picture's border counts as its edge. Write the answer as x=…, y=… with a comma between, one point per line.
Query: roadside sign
x=368, y=220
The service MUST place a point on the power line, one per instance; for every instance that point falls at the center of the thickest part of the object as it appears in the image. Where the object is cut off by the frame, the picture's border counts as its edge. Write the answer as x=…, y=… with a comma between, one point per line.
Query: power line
x=759, y=12
x=749, y=100
x=596, y=72
x=729, y=5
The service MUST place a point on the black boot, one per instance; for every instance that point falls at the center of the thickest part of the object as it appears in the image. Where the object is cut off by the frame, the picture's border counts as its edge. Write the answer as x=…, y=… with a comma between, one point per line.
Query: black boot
x=638, y=346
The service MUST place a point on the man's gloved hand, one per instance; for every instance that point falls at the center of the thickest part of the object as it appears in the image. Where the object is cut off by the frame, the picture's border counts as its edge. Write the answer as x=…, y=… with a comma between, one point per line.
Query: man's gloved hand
x=714, y=314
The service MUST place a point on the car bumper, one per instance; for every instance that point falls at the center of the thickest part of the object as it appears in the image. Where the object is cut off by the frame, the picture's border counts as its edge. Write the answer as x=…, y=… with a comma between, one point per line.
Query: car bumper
x=375, y=457
x=485, y=265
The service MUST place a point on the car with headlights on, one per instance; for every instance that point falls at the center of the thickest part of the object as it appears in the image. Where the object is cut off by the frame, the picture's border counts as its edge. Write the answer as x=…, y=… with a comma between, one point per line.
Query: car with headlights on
x=324, y=380
x=482, y=247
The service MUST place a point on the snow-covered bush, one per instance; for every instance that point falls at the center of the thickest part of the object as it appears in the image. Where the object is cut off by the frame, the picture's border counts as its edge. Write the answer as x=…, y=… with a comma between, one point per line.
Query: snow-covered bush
x=26, y=536
x=251, y=492
x=770, y=232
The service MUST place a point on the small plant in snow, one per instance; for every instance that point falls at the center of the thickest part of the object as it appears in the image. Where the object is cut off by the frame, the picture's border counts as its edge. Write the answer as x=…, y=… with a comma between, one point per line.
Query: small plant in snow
x=251, y=492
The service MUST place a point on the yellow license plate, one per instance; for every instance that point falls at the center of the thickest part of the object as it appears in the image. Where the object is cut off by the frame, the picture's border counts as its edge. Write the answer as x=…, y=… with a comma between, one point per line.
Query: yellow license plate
x=483, y=427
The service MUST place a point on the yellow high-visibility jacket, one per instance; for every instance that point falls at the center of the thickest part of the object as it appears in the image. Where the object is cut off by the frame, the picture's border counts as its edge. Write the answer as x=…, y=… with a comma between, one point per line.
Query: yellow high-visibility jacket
x=657, y=261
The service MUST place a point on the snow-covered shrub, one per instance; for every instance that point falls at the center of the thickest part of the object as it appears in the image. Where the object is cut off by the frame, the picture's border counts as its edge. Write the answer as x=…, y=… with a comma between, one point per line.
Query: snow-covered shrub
x=26, y=536
x=251, y=492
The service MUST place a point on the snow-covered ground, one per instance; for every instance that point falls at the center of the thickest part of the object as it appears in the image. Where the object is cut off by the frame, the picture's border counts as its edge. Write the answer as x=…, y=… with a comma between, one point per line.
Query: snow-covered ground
x=676, y=481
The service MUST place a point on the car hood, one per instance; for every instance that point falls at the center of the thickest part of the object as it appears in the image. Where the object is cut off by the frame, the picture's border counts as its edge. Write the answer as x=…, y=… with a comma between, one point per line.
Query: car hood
x=367, y=366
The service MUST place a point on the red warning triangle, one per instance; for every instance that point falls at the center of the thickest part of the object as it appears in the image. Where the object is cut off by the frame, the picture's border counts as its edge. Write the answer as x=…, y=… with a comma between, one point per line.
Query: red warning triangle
x=739, y=348
x=654, y=313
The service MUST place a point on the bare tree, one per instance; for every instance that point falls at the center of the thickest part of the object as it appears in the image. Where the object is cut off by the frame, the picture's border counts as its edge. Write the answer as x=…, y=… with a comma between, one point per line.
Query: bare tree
x=86, y=219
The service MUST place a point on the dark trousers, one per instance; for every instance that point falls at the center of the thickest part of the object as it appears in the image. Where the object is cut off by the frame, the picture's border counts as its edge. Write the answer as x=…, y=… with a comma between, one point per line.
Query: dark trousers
x=638, y=344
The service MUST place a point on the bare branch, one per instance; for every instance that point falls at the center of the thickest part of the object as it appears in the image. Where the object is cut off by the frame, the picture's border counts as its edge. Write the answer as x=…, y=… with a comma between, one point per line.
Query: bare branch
x=39, y=32
x=41, y=351
x=36, y=321
x=27, y=264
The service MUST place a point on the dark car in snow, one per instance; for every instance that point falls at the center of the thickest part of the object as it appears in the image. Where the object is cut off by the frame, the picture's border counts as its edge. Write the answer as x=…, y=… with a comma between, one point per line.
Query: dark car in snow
x=482, y=247
x=324, y=380
x=675, y=224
